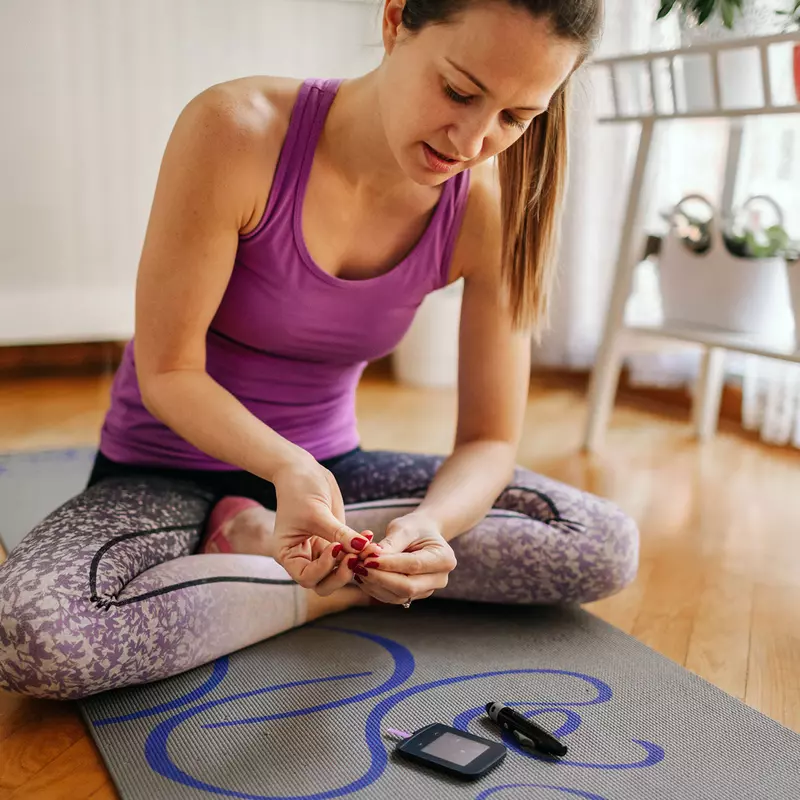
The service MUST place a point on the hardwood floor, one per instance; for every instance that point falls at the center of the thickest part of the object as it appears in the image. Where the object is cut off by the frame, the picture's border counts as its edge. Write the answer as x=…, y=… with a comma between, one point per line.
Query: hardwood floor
x=718, y=590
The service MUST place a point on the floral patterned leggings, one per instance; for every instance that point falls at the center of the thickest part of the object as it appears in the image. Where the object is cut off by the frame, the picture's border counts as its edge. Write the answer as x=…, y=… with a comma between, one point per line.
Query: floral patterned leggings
x=107, y=591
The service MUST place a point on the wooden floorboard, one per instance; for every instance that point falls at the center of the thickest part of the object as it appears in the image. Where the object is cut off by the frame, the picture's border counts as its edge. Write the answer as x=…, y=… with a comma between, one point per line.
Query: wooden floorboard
x=718, y=589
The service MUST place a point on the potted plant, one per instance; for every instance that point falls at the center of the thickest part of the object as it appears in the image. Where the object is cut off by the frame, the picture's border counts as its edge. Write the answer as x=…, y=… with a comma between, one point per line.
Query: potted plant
x=729, y=11
x=726, y=272
x=702, y=10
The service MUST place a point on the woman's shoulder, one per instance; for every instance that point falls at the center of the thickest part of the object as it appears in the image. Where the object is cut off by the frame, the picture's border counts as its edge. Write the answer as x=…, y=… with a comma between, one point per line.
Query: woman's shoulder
x=484, y=190
x=480, y=237
x=255, y=109
x=236, y=129
x=261, y=96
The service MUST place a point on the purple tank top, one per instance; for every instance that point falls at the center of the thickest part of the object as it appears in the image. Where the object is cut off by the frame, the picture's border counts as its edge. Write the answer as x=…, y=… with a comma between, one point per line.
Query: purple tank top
x=289, y=340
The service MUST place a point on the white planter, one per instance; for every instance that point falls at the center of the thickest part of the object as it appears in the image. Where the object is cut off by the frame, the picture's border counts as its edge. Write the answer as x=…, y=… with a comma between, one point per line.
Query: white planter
x=793, y=271
x=722, y=291
x=428, y=354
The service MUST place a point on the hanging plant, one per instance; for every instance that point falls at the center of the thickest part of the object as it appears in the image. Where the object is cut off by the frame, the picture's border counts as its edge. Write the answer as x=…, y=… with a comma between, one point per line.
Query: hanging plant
x=702, y=10
x=792, y=16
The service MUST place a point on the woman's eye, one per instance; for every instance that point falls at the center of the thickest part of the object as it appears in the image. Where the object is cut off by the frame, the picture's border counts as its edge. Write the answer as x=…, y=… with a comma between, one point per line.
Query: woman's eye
x=509, y=119
x=514, y=122
x=455, y=96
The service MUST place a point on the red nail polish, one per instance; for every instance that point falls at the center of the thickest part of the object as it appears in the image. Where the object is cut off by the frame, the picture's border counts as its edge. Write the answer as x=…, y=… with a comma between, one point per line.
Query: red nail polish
x=368, y=535
x=357, y=579
x=352, y=562
x=371, y=564
x=337, y=548
x=359, y=544
x=361, y=571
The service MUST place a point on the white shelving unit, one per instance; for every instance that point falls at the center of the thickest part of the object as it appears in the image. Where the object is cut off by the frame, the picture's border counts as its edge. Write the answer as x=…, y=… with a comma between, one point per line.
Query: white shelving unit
x=618, y=336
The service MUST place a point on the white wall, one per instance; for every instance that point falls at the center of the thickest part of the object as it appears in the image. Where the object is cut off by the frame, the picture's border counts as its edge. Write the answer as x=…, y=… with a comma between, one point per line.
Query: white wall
x=89, y=91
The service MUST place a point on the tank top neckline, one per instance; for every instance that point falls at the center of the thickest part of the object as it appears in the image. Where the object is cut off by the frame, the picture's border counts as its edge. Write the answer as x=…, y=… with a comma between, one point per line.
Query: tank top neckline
x=313, y=129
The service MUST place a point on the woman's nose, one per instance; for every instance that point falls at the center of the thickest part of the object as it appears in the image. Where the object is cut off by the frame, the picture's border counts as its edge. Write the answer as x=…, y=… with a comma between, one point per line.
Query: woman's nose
x=469, y=135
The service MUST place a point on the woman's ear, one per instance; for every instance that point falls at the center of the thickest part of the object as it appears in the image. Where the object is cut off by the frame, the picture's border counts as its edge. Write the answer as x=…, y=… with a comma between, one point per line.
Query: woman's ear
x=392, y=24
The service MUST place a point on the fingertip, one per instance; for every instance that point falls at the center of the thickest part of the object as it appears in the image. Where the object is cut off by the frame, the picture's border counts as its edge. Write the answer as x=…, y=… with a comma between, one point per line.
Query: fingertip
x=371, y=551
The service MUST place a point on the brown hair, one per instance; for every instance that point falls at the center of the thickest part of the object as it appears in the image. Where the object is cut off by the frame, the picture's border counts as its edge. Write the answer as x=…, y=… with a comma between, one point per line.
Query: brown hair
x=533, y=169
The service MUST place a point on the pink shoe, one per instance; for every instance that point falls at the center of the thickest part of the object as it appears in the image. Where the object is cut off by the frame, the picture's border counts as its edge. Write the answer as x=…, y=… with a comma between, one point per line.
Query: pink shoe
x=225, y=510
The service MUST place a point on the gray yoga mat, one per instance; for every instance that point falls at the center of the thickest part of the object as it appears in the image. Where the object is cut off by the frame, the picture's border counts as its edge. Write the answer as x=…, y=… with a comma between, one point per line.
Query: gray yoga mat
x=34, y=484
x=305, y=715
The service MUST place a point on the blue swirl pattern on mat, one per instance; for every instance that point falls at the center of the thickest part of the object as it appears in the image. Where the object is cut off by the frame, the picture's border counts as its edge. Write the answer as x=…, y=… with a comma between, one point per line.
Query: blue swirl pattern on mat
x=217, y=676
x=157, y=750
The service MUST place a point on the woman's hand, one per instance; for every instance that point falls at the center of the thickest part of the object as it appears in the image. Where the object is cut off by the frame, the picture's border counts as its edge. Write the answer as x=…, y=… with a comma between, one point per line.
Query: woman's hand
x=311, y=538
x=414, y=560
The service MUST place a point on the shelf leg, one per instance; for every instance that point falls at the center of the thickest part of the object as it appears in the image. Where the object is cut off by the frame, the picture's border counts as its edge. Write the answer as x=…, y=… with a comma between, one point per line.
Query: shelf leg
x=708, y=393
x=605, y=375
x=732, y=160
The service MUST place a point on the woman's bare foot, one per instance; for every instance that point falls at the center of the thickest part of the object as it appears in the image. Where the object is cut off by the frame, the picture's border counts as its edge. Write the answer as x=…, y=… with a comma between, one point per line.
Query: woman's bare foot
x=340, y=600
x=248, y=532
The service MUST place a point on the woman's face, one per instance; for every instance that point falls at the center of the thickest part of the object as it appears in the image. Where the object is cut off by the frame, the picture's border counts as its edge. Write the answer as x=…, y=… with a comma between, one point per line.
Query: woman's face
x=466, y=90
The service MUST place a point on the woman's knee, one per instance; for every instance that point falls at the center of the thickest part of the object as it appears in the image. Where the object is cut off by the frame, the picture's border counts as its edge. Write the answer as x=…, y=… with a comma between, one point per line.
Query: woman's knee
x=44, y=641
x=608, y=551
x=596, y=549
x=53, y=636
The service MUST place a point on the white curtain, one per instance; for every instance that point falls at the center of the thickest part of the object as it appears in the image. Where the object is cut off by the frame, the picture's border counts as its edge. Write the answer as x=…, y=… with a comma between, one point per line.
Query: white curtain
x=90, y=92
x=690, y=157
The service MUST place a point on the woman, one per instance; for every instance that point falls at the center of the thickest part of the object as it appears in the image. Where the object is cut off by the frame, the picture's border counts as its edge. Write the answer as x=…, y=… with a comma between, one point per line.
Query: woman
x=295, y=229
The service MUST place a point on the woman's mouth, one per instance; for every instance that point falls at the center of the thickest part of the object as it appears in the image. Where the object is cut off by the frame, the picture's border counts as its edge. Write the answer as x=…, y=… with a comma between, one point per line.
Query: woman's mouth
x=439, y=162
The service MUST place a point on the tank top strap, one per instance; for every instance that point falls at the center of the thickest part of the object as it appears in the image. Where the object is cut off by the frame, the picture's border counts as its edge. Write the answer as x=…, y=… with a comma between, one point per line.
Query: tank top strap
x=314, y=99
x=318, y=99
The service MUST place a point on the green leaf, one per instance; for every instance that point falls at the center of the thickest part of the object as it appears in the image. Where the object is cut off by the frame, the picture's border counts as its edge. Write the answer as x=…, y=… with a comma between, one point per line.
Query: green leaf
x=778, y=237
x=704, y=14
x=728, y=12
x=666, y=7
x=766, y=244
x=752, y=248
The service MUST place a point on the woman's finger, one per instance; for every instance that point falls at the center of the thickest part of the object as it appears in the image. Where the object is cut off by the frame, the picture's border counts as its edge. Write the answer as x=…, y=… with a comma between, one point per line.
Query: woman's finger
x=341, y=576
x=390, y=598
x=419, y=562
x=403, y=587
x=377, y=592
x=398, y=538
x=349, y=568
x=309, y=572
x=372, y=549
x=333, y=530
